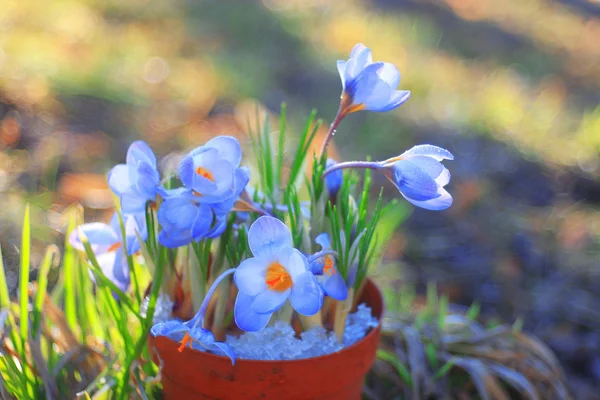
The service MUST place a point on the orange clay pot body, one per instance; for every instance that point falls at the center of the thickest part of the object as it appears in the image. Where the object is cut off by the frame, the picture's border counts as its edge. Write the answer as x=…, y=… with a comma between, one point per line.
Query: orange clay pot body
x=193, y=374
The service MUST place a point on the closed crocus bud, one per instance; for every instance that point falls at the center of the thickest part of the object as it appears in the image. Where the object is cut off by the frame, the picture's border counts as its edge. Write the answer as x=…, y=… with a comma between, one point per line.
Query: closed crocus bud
x=333, y=181
x=420, y=176
x=369, y=85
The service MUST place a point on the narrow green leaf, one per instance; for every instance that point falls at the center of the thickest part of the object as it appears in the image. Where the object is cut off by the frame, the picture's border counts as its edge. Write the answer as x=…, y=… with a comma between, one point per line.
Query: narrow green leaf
x=42, y=285
x=68, y=273
x=473, y=311
x=397, y=364
x=24, y=278
x=4, y=293
x=444, y=369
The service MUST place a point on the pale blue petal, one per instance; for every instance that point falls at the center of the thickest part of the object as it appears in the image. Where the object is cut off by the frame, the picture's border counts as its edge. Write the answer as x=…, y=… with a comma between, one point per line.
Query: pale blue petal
x=187, y=171
x=444, y=178
x=294, y=262
x=140, y=152
x=413, y=182
x=99, y=235
x=135, y=223
x=223, y=185
x=334, y=180
x=333, y=285
x=132, y=203
x=225, y=349
x=432, y=167
x=306, y=296
x=429, y=150
x=368, y=89
x=360, y=57
x=322, y=239
x=202, y=222
x=174, y=240
x=341, y=66
x=268, y=235
x=173, y=329
x=397, y=98
x=249, y=277
x=228, y=147
x=245, y=318
x=218, y=229
x=148, y=180
x=114, y=266
x=390, y=74
x=269, y=301
x=118, y=179
x=440, y=203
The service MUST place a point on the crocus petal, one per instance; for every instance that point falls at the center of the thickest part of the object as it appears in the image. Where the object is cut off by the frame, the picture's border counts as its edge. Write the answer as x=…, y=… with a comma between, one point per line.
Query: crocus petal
x=148, y=180
x=306, y=296
x=390, y=74
x=118, y=179
x=397, y=98
x=444, y=178
x=115, y=268
x=360, y=57
x=268, y=235
x=333, y=285
x=249, y=277
x=368, y=89
x=133, y=224
x=269, y=301
x=428, y=150
x=294, y=261
x=439, y=203
x=429, y=165
x=413, y=182
x=202, y=222
x=341, y=66
x=139, y=151
x=228, y=147
x=225, y=349
x=322, y=239
x=173, y=329
x=99, y=235
x=245, y=318
x=334, y=180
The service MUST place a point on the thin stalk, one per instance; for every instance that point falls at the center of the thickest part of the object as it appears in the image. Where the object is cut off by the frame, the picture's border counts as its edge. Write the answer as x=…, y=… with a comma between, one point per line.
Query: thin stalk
x=353, y=164
x=341, y=313
x=332, y=129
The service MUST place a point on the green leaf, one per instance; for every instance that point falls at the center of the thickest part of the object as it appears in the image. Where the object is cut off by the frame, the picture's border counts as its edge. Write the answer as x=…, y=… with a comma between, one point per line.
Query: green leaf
x=24, y=278
x=397, y=364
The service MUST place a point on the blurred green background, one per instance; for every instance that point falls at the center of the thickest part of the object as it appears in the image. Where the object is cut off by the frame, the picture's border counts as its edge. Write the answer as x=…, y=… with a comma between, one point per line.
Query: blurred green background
x=511, y=87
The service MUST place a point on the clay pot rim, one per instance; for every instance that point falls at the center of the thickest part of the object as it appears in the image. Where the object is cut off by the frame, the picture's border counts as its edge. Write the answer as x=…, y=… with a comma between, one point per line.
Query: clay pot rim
x=369, y=334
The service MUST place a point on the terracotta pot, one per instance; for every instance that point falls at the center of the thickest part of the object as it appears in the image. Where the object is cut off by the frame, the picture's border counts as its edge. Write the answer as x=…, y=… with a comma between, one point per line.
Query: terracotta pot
x=193, y=374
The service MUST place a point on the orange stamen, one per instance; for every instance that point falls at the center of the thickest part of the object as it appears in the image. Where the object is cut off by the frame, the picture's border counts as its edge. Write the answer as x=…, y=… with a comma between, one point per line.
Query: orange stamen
x=277, y=278
x=328, y=267
x=205, y=173
x=114, y=247
x=187, y=339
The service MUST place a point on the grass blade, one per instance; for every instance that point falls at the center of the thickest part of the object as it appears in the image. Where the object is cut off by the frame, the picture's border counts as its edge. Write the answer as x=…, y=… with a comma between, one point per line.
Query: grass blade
x=24, y=278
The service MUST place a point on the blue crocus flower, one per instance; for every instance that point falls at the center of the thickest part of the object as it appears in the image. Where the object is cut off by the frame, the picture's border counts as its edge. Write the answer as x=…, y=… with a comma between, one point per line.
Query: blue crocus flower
x=368, y=85
x=184, y=219
x=213, y=171
x=190, y=334
x=326, y=272
x=135, y=182
x=420, y=177
x=275, y=273
x=334, y=180
x=107, y=244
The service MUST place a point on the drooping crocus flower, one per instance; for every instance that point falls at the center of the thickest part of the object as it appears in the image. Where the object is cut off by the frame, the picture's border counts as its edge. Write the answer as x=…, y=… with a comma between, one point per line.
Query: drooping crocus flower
x=417, y=173
x=107, y=244
x=275, y=273
x=420, y=176
x=191, y=333
x=324, y=269
x=135, y=182
x=213, y=171
x=333, y=181
x=368, y=85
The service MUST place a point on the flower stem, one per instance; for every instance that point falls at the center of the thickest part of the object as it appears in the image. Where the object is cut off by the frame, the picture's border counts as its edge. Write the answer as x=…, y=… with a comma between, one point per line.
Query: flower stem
x=199, y=317
x=341, y=313
x=352, y=164
x=332, y=129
